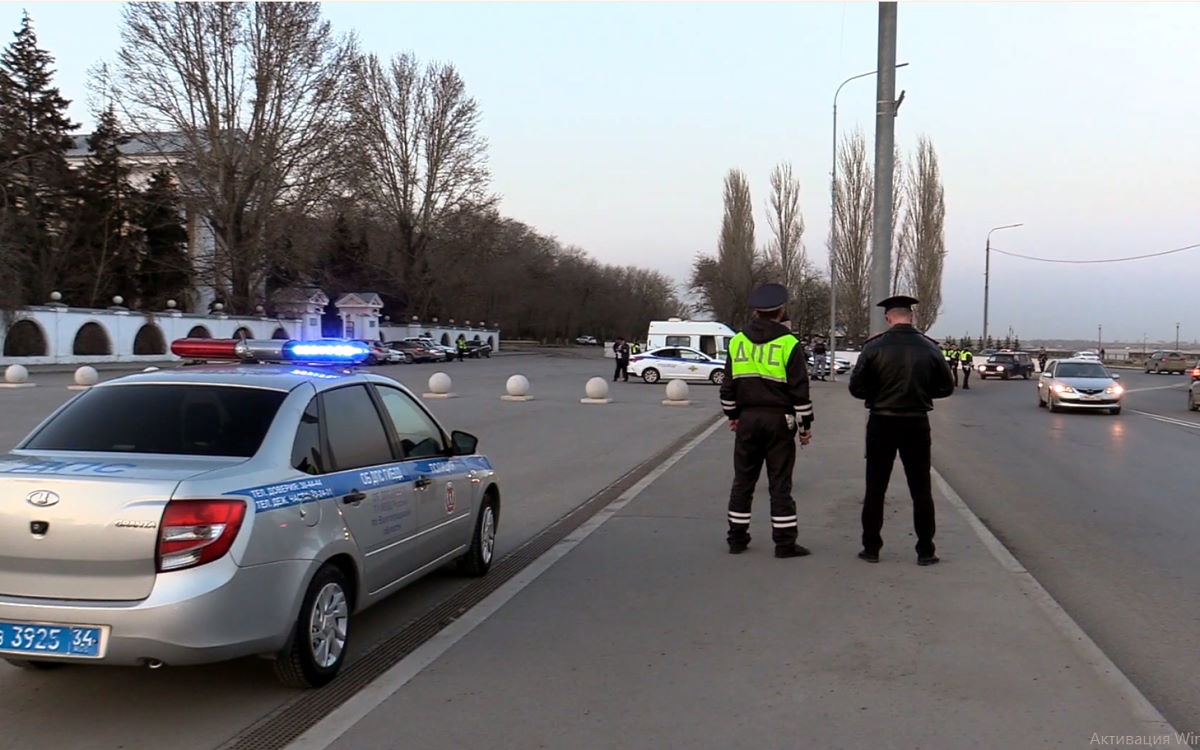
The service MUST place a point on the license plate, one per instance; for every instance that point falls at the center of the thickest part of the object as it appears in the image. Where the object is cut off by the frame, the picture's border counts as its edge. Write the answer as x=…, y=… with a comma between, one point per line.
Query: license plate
x=33, y=638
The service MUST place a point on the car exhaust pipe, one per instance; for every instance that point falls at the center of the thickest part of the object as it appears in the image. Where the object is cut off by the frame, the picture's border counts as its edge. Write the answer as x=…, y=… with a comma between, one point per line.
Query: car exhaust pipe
x=153, y=663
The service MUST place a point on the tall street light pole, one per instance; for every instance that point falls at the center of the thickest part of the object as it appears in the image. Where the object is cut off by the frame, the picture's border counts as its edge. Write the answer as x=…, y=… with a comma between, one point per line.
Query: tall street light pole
x=1176, y=336
x=987, y=270
x=833, y=226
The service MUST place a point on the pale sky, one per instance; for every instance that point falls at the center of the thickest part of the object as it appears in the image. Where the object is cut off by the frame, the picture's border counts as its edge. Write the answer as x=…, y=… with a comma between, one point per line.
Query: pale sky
x=612, y=125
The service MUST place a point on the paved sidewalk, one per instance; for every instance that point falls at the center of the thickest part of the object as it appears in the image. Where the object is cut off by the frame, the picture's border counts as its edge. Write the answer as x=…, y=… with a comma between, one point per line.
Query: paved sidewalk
x=645, y=633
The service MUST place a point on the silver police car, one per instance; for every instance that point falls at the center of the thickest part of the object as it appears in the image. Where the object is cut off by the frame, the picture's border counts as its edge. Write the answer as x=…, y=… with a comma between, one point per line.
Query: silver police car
x=206, y=513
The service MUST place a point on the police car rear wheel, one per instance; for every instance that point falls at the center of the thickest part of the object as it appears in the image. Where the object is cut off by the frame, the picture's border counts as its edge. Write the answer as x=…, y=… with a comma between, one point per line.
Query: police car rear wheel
x=650, y=375
x=478, y=559
x=315, y=652
x=717, y=377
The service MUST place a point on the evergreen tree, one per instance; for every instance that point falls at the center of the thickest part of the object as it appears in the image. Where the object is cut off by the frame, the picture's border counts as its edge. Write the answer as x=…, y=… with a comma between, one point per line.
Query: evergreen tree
x=164, y=270
x=106, y=241
x=35, y=181
x=344, y=267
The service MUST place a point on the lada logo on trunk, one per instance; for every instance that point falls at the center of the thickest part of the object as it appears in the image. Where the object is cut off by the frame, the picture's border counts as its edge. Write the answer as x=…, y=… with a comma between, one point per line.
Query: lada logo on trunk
x=42, y=498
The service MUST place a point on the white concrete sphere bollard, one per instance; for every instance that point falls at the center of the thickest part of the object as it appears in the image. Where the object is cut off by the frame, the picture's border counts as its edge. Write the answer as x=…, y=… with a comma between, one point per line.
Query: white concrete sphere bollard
x=440, y=382
x=16, y=374
x=677, y=390
x=517, y=385
x=56, y=296
x=118, y=300
x=86, y=376
x=597, y=388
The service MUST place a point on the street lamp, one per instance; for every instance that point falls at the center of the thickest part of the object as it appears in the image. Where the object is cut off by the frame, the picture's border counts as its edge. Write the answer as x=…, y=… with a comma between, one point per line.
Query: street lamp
x=1099, y=338
x=833, y=230
x=1177, y=337
x=987, y=269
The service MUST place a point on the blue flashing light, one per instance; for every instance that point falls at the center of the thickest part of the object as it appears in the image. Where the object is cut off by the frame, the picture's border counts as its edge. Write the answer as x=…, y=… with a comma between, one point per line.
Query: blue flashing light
x=314, y=374
x=325, y=352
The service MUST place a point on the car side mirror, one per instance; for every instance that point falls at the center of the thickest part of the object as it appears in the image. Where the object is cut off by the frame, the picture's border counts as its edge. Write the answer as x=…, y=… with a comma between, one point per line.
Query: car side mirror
x=464, y=443
x=1115, y=376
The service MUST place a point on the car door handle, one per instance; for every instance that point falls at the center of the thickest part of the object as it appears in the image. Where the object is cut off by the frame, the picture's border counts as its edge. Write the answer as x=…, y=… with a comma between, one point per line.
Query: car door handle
x=422, y=482
x=354, y=497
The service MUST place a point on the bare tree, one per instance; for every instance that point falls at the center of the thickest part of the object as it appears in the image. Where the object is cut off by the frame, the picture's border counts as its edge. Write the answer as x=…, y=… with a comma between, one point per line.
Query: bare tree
x=786, y=249
x=422, y=158
x=854, y=198
x=246, y=100
x=723, y=283
x=923, y=236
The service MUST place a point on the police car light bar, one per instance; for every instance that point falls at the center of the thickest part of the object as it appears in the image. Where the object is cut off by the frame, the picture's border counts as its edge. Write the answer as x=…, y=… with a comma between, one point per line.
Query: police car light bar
x=270, y=350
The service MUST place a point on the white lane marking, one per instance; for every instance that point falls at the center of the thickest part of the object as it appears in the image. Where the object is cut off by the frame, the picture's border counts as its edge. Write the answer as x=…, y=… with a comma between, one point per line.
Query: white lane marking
x=327, y=731
x=1168, y=420
x=1157, y=388
x=1108, y=672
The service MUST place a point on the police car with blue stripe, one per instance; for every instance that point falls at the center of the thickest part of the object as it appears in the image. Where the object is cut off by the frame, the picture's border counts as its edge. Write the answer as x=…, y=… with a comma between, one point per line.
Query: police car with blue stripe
x=677, y=362
x=206, y=513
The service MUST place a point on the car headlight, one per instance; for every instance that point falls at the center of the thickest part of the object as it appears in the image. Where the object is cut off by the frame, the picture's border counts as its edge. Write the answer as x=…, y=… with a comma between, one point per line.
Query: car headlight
x=999, y=368
x=1115, y=390
x=1063, y=388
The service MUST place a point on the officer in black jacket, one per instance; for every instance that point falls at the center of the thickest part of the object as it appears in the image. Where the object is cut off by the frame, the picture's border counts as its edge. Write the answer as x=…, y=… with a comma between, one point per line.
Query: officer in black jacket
x=899, y=372
x=765, y=396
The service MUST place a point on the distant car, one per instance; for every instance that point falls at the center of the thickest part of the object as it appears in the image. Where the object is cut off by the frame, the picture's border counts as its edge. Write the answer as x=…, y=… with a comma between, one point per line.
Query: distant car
x=586, y=340
x=476, y=349
x=435, y=346
x=1166, y=361
x=437, y=352
x=1077, y=383
x=680, y=362
x=1006, y=365
x=1194, y=389
x=416, y=352
x=1086, y=354
x=843, y=365
x=380, y=353
x=207, y=513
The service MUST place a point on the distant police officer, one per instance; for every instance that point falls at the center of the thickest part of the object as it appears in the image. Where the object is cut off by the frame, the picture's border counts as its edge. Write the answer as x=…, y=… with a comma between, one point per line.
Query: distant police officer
x=765, y=397
x=968, y=364
x=953, y=362
x=899, y=372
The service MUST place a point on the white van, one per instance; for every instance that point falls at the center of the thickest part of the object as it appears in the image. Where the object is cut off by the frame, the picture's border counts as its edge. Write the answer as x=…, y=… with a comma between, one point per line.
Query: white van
x=708, y=336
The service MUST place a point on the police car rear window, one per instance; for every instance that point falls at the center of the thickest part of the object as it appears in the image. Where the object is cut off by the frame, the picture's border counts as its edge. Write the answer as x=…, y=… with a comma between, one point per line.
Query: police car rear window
x=193, y=420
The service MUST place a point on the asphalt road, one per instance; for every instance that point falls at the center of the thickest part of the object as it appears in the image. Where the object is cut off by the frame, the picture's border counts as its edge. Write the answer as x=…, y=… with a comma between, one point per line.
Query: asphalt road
x=1101, y=509
x=552, y=453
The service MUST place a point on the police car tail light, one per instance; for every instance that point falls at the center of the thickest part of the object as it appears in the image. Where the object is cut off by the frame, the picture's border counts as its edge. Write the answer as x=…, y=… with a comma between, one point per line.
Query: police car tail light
x=194, y=532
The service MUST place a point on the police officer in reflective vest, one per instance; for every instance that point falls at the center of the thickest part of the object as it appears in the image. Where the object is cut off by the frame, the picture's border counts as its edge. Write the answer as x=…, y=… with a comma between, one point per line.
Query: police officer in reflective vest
x=765, y=396
x=968, y=364
x=898, y=373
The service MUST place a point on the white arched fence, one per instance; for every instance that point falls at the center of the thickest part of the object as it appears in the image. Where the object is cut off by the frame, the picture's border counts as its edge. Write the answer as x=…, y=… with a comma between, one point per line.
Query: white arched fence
x=49, y=334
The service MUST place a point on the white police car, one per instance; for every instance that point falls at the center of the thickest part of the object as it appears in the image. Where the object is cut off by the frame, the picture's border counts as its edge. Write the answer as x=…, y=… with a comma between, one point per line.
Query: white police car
x=676, y=362
x=206, y=513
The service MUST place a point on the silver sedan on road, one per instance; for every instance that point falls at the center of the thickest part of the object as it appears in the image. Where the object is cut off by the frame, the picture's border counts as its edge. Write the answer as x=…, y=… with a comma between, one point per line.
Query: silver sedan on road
x=206, y=513
x=1079, y=384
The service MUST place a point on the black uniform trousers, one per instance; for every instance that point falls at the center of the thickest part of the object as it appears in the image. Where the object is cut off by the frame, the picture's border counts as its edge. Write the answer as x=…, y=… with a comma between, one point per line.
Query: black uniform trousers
x=622, y=370
x=966, y=376
x=887, y=435
x=954, y=371
x=763, y=436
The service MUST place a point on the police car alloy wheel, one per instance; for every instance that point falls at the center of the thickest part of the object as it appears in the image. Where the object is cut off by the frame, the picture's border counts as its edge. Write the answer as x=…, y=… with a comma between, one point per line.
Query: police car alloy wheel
x=317, y=648
x=717, y=377
x=478, y=559
x=650, y=375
